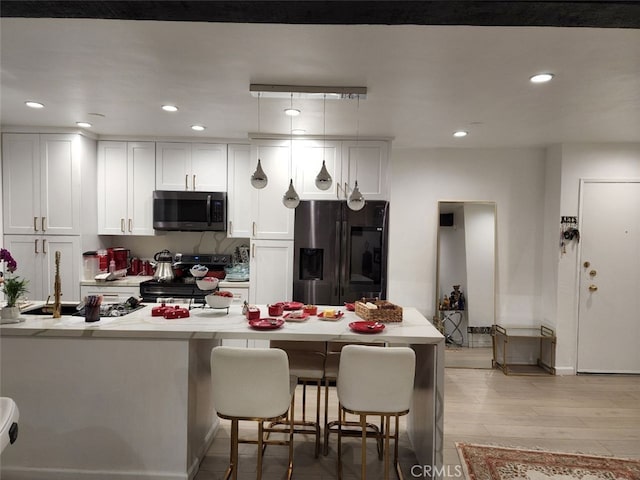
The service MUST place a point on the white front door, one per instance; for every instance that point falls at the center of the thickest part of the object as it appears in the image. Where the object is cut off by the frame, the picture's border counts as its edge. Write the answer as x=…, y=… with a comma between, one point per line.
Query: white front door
x=609, y=310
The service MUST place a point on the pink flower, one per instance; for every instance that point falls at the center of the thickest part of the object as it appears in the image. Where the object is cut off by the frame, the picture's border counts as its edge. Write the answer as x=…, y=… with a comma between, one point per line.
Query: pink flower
x=8, y=259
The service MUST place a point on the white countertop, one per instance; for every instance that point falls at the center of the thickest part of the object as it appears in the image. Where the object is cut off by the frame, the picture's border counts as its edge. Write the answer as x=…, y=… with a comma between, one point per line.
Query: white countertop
x=209, y=323
x=132, y=281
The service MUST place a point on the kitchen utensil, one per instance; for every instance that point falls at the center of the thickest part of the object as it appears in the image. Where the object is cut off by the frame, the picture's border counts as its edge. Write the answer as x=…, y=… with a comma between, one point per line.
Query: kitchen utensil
x=164, y=269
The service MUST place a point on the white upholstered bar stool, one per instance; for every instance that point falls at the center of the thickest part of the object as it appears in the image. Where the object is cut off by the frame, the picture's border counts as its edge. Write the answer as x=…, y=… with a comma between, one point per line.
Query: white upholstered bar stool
x=252, y=384
x=306, y=361
x=375, y=381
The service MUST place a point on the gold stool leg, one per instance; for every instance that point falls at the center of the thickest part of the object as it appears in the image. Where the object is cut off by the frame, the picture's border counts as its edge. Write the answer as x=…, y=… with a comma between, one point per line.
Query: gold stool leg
x=290, y=468
x=339, y=443
x=387, y=435
x=260, y=444
x=325, y=447
x=363, y=426
x=232, y=469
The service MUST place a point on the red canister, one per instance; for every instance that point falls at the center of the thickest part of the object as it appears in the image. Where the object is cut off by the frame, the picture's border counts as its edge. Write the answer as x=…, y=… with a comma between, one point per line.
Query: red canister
x=276, y=309
x=253, y=313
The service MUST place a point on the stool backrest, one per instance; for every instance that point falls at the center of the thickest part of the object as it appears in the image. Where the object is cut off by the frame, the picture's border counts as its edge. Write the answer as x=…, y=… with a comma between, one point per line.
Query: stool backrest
x=373, y=379
x=250, y=382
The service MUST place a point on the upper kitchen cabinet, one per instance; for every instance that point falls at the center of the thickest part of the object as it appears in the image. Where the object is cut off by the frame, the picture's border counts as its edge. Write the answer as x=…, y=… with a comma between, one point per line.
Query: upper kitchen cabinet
x=366, y=161
x=191, y=166
x=271, y=220
x=239, y=191
x=126, y=181
x=41, y=183
x=308, y=156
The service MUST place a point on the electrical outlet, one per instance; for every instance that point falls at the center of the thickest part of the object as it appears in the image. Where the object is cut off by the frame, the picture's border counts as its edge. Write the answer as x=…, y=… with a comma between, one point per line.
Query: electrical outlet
x=484, y=330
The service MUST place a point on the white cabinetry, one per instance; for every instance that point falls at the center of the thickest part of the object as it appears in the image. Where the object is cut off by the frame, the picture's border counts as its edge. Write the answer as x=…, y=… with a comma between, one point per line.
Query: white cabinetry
x=239, y=191
x=191, y=166
x=270, y=218
x=367, y=162
x=308, y=156
x=271, y=271
x=41, y=183
x=35, y=255
x=126, y=181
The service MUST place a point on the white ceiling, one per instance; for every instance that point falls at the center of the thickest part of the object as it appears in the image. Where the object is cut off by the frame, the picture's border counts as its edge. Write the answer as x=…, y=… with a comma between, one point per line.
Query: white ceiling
x=424, y=82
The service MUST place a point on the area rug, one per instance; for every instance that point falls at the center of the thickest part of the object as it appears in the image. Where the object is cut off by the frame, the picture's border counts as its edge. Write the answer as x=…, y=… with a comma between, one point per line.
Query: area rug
x=482, y=462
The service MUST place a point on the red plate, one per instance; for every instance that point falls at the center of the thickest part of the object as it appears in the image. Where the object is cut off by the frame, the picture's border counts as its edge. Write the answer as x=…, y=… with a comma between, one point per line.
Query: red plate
x=293, y=305
x=338, y=316
x=366, y=327
x=350, y=306
x=266, y=323
x=294, y=318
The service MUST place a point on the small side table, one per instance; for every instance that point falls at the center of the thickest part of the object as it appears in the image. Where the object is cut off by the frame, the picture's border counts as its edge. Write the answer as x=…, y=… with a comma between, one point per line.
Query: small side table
x=505, y=336
x=454, y=319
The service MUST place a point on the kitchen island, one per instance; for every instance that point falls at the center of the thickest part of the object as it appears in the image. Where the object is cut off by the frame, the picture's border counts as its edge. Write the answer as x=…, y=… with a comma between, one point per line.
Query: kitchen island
x=130, y=397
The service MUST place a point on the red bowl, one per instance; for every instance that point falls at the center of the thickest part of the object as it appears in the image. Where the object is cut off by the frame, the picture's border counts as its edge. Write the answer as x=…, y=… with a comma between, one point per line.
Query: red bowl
x=217, y=274
x=276, y=309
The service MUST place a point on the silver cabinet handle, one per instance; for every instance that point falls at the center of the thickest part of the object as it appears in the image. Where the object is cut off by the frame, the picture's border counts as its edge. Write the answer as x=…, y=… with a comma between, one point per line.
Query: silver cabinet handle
x=36, y=246
x=44, y=246
x=194, y=182
x=186, y=182
x=253, y=229
x=230, y=227
x=122, y=225
x=35, y=224
x=338, y=187
x=253, y=251
x=130, y=225
x=346, y=190
x=43, y=224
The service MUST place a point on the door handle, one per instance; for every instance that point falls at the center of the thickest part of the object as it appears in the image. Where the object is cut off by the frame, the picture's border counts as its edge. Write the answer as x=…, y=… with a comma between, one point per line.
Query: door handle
x=43, y=224
x=593, y=288
x=253, y=229
x=186, y=182
x=194, y=182
x=253, y=251
x=130, y=225
x=44, y=246
x=230, y=227
x=122, y=225
x=338, y=187
x=36, y=246
x=35, y=224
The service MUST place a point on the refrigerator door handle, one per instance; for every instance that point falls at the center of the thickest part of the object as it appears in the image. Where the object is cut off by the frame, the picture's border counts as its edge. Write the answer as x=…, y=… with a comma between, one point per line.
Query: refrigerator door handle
x=345, y=259
x=336, y=280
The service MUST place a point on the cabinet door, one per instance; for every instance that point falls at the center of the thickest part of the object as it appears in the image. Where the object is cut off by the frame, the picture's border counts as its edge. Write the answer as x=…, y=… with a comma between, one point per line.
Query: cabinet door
x=208, y=167
x=271, y=271
x=141, y=184
x=21, y=183
x=70, y=264
x=308, y=156
x=271, y=219
x=27, y=251
x=173, y=166
x=367, y=162
x=60, y=184
x=112, y=187
x=110, y=294
x=239, y=191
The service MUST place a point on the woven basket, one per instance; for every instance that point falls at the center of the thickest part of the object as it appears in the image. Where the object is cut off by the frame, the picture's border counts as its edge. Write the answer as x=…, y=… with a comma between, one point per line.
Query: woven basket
x=386, y=311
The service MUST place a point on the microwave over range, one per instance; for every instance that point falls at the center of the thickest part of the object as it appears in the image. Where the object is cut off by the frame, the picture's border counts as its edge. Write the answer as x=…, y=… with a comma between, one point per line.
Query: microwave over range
x=189, y=211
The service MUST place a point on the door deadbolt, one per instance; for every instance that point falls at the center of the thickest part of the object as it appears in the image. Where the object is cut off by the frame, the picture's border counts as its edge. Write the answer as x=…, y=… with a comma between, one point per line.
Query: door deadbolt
x=587, y=264
x=593, y=288
x=592, y=273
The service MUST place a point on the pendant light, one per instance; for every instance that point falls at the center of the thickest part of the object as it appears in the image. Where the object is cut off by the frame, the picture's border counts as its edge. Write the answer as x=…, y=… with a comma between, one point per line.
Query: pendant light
x=324, y=180
x=290, y=199
x=356, y=200
x=259, y=179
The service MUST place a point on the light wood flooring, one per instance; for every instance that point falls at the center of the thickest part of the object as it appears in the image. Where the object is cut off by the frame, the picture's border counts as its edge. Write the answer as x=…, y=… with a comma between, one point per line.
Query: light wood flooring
x=596, y=414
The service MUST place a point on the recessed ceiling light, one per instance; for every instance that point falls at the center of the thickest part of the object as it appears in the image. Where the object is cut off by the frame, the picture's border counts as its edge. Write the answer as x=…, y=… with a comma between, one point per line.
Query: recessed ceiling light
x=292, y=112
x=298, y=131
x=83, y=124
x=32, y=104
x=541, y=78
x=169, y=108
x=198, y=128
x=460, y=133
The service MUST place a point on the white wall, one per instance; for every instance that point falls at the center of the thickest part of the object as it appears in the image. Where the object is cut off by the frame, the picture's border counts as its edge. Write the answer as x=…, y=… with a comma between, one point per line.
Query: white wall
x=513, y=178
x=592, y=161
x=453, y=266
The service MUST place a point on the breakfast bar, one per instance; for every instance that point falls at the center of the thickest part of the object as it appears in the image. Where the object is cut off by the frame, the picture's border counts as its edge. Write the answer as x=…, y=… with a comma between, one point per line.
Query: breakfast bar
x=130, y=397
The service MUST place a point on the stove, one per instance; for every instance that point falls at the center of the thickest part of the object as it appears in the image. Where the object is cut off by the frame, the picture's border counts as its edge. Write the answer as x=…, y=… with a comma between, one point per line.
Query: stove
x=183, y=286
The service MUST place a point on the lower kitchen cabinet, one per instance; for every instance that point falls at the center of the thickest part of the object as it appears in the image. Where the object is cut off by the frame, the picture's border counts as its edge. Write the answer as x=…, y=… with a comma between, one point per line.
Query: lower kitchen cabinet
x=271, y=271
x=110, y=294
x=35, y=255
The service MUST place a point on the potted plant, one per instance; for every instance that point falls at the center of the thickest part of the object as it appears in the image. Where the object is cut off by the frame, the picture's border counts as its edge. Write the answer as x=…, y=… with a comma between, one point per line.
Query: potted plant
x=12, y=286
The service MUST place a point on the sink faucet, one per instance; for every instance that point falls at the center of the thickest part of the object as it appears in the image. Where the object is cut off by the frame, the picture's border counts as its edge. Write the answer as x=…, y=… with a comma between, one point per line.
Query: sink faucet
x=57, y=291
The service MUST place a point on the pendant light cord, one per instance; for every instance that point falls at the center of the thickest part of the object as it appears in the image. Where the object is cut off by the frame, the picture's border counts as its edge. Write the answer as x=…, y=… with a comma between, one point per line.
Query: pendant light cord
x=324, y=127
x=259, y=93
x=357, y=134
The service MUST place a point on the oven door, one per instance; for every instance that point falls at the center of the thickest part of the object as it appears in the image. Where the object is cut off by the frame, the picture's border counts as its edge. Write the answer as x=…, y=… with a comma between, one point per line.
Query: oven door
x=189, y=211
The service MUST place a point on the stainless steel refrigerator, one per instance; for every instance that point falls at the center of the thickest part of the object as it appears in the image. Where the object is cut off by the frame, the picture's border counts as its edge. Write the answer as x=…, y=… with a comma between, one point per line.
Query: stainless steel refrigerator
x=340, y=255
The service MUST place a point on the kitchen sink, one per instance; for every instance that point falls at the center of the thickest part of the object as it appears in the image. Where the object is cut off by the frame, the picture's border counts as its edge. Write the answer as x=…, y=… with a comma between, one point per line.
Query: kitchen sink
x=48, y=310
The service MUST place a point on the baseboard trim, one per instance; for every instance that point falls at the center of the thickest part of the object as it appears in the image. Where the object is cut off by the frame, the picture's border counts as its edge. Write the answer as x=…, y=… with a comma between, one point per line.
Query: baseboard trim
x=28, y=473
x=565, y=371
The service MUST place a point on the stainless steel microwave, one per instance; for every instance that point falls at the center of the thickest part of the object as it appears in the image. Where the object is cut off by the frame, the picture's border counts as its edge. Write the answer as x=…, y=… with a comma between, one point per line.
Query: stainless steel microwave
x=189, y=211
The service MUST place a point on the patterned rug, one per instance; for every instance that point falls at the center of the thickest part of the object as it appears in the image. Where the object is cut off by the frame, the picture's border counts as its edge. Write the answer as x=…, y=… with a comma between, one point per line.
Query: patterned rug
x=482, y=462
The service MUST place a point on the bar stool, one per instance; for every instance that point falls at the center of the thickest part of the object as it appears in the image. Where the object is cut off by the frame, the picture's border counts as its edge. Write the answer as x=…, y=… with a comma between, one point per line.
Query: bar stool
x=9, y=416
x=331, y=367
x=252, y=385
x=306, y=361
x=375, y=381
